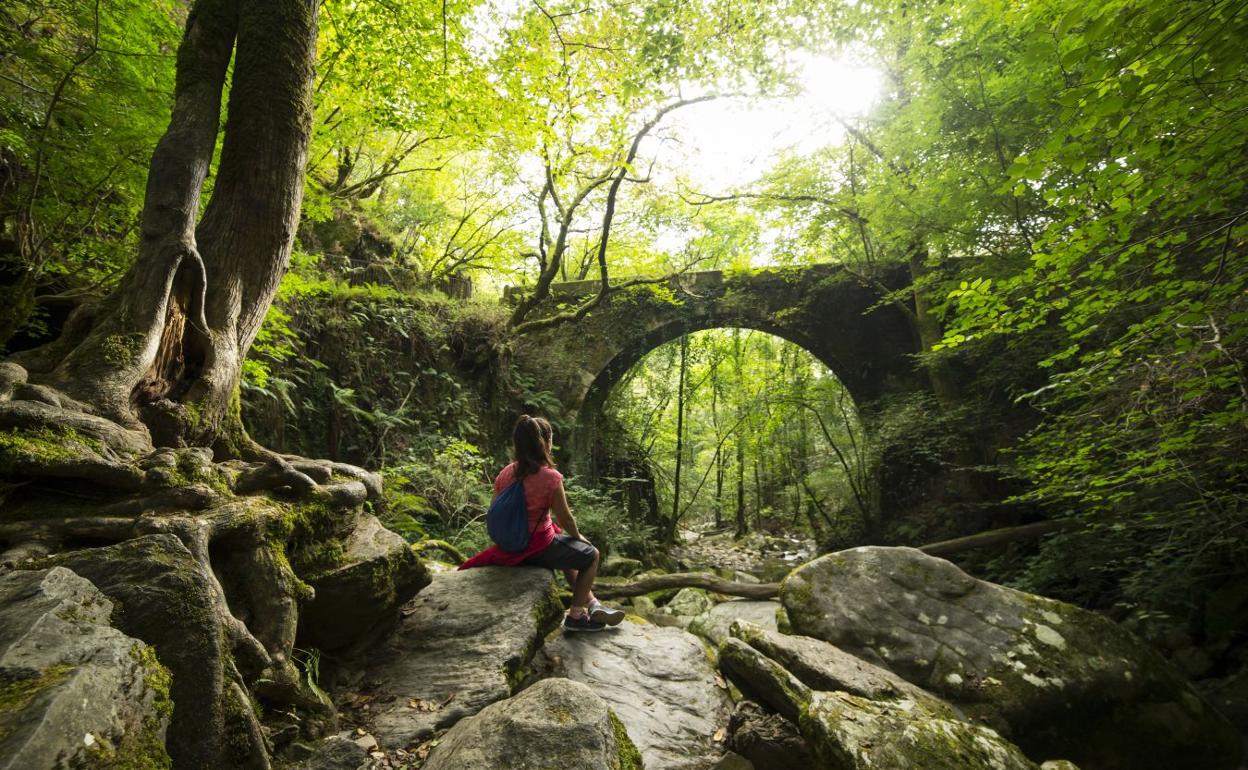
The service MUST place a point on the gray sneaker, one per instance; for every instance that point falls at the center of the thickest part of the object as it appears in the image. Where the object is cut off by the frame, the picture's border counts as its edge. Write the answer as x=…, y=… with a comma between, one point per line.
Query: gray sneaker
x=604, y=614
x=583, y=623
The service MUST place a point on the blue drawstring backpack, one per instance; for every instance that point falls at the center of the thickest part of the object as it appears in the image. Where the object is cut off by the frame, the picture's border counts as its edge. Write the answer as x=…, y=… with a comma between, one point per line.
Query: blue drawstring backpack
x=507, y=520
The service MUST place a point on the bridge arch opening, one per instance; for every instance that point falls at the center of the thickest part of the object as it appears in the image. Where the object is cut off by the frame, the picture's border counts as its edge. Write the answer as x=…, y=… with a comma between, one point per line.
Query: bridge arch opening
x=737, y=426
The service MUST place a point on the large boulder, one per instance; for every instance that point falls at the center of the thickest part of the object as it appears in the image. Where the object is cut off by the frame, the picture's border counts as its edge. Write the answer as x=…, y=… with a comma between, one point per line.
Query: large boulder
x=556, y=723
x=165, y=597
x=849, y=732
x=74, y=691
x=1058, y=680
x=373, y=576
x=713, y=625
x=661, y=683
x=462, y=644
x=822, y=666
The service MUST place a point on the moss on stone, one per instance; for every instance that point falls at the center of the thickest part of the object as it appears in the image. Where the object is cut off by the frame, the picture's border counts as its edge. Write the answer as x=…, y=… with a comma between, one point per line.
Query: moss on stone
x=318, y=558
x=142, y=749
x=17, y=694
x=627, y=755
x=156, y=678
x=546, y=613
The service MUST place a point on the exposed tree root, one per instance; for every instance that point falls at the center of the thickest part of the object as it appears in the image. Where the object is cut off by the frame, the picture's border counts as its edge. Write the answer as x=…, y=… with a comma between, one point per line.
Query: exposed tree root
x=86, y=481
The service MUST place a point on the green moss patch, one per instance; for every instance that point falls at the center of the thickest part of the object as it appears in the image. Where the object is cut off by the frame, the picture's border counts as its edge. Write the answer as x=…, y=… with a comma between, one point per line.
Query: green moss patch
x=43, y=446
x=17, y=694
x=625, y=751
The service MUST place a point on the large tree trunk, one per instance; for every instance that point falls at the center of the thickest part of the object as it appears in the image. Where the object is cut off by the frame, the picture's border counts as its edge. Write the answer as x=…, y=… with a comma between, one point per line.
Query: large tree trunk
x=89, y=418
x=163, y=354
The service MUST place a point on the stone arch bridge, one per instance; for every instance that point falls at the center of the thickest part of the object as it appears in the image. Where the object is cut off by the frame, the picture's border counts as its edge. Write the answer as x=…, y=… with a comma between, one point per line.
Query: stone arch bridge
x=838, y=316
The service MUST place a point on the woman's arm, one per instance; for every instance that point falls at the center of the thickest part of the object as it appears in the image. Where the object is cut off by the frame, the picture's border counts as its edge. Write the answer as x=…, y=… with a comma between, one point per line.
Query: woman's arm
x=559, y=509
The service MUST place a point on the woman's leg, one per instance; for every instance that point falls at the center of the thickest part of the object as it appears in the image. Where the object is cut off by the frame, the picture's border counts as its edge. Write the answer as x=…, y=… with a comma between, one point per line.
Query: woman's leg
x=570, y=575
x=583, y=583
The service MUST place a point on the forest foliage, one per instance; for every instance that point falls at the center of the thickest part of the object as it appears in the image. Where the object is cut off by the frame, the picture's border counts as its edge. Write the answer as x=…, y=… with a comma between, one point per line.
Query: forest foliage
x=1062, y=180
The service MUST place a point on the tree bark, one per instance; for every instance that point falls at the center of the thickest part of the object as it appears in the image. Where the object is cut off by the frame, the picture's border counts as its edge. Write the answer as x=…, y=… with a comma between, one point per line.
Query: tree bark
x=163, y=354
x=997, y=537
x=739, y=439
x=680, y=436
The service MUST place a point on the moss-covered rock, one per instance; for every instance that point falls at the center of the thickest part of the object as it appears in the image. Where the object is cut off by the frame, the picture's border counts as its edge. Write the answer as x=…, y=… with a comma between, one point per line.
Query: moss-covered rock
x=163, y=596
x=74, y=691
x=822, y=666
x=763, y=680
x=714, y=624
x=1058, y=680
x=853, y=733
x=357, y=582
x=689, y=603
x=850, y=732
x=556, y=723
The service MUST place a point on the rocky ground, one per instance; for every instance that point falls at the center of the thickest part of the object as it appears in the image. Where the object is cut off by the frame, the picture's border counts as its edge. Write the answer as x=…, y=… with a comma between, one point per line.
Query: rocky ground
x=867, y=658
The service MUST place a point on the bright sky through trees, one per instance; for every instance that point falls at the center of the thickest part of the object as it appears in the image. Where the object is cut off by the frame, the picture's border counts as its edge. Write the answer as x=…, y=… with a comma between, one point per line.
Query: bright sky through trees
x=728, y=143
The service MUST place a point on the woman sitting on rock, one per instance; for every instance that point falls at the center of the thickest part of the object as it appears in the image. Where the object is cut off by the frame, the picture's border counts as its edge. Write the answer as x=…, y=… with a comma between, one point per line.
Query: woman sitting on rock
x=553, y=546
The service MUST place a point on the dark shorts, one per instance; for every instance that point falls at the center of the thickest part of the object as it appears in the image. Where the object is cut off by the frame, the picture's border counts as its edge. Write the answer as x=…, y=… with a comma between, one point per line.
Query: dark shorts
x=564, y=552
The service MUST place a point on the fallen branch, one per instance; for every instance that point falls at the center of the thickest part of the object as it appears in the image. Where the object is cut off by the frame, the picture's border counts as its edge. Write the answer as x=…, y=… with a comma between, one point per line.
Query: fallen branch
x=704, y=580
x=997, y=537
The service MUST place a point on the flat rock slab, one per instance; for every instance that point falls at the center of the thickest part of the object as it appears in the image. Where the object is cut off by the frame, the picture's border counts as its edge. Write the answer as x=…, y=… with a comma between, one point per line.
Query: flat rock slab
x=73, y=689
x=460, y=645
x=714, y=625
x=659, y=681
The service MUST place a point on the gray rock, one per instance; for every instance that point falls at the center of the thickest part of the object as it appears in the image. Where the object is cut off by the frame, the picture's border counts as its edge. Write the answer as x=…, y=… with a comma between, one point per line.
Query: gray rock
x=378, y=572
x=164, y=597
x=619, y=566
x=644, y=606
x=74, y=691
x=848, y=732
x=859, y=734
x=822, y=666
x=556, y=723
x=1058, y=764
x=336, y=753
x=1060, y=680
x=763, y=680
x=689, y=602
x=713, y=625
x=661, y=683
x=462, y=644
x=768, y=741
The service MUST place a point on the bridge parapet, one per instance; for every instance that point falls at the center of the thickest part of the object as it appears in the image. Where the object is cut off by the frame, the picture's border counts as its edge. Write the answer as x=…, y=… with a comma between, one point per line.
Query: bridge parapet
x=694, y=281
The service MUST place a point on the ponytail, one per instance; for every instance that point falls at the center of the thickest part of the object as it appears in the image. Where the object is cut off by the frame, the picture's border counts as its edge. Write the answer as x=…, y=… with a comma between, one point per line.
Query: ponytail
x=531, y=440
